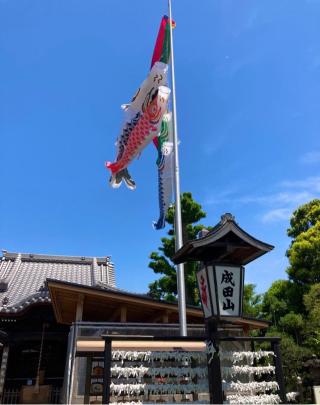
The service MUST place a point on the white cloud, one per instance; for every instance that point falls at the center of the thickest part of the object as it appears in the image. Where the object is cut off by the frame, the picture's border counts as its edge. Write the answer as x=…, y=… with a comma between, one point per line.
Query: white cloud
x=290, y=197
x=277, y=205
x=278, y=214
x=293, y=197
x=311, y=184
x=310, y=158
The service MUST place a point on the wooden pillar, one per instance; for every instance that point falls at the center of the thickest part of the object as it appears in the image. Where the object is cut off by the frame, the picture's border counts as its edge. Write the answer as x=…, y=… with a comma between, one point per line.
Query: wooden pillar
x=107, y=371
x=88, y=380
x=279, y=371
x=79, y=314
x=214, y=368
x=123, y=314
x=79, y=309
x=246, y=330
x=165, y=317
x=3, y=368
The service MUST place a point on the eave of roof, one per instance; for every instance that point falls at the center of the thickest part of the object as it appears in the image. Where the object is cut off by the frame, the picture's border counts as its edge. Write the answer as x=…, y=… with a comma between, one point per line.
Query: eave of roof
x=203, y=249
x=119, y=296
x=119, y=292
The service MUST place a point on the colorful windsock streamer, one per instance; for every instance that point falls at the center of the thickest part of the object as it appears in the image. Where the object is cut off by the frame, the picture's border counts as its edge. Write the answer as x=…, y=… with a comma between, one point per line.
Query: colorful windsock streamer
x=164, y=143
x=162, y=47
x=146, y=118
x=165, y=169
x=133, y=112
x=147, y=127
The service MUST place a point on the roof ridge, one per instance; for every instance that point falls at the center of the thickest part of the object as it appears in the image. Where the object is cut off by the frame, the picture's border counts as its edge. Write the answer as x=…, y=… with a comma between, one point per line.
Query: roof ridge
x=47, y=257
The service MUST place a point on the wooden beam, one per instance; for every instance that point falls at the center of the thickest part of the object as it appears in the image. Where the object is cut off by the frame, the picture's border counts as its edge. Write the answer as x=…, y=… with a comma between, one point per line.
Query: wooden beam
x=160, y=316
x=120, y=314
x=165, y=316
x=115, y=316
x=123, y=314
x=79, y=310
x=246, y=330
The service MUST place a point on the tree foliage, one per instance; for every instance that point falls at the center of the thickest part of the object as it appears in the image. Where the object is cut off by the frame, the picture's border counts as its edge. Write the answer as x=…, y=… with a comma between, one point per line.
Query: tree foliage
x=282, y=297
x=304, y=217
x=312, y=305
x=304, y=252
x=304, y=257
x=293, y=357
x=252, y=302
x=166, y=286
x=294, y=304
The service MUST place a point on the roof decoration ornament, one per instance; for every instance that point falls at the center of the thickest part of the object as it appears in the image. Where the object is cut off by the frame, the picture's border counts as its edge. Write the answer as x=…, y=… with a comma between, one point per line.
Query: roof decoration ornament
x=43, y=288
x=227, y=217
x=5, y=301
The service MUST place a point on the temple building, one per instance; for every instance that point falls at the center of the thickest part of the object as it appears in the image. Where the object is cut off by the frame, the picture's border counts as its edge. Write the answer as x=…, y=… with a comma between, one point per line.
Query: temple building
x=27, y=318
x=58, y=312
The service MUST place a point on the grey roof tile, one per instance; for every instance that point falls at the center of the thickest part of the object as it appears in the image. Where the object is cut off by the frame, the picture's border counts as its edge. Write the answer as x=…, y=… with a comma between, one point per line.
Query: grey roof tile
x=22, y=276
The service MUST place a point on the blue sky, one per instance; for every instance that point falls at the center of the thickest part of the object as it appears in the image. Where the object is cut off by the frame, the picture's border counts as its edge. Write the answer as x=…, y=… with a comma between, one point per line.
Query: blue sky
x=248, y=94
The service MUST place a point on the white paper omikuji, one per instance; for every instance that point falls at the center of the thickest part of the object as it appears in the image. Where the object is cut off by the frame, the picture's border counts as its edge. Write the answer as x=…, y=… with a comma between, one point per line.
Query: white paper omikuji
x=249, y=357
x=254, y=399
x=253, y=387
x=139, y=372
x=127, y=403
x=160, y=356
x=137, y=389
x=292, y=396
x=249, y=370
x=244, y=392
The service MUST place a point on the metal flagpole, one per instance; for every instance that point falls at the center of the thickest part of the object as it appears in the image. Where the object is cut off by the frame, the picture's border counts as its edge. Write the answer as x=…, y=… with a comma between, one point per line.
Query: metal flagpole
x=178, y=220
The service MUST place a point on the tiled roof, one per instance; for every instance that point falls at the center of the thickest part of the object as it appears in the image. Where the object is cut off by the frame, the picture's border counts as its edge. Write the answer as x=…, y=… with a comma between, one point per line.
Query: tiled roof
x=23, y=276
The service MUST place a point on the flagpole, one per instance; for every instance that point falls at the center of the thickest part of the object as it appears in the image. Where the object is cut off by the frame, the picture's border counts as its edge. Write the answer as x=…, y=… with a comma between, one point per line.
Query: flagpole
x=178, y=220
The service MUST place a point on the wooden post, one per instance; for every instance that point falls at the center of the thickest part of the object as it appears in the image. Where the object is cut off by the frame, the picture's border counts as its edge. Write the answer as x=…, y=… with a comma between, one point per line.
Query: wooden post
x=165, y=317
x=79, y=315
x=79, y=310
x=214, y=368
x=253, y=349
x=123, y=314
x=3, y=368
x=246, y=330
x=88, y=380
x=279, y=371
x=107, y=370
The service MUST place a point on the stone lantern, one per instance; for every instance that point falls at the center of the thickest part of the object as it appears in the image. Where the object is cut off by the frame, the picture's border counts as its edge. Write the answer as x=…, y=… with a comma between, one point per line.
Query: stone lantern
x=222, y=254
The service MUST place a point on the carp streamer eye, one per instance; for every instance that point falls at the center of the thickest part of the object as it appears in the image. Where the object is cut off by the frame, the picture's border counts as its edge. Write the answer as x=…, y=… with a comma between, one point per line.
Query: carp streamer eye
x=155, y=114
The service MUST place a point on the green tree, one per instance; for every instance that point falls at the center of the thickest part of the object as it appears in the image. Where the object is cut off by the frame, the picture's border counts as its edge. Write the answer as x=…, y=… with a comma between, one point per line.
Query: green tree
x=293, y=357
x=294, y=305
x=304, y=217
x=293, y=324
x=282, y=297
x=304, y=257
x=304, y=252
x=252, y=302
x=166, y=286
x=312, y=304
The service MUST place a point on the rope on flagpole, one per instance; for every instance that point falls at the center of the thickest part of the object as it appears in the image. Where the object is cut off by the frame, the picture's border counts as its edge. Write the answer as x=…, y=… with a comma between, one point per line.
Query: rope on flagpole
x=178, y=219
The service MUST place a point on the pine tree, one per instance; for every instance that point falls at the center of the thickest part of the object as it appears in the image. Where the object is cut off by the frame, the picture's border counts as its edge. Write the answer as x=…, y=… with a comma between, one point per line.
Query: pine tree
x=166, y=286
